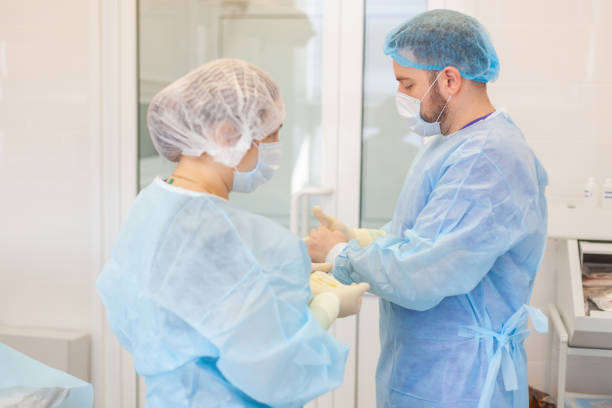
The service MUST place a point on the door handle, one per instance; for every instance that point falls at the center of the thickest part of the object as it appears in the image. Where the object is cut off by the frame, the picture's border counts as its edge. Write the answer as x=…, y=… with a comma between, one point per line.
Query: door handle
x=299, y=216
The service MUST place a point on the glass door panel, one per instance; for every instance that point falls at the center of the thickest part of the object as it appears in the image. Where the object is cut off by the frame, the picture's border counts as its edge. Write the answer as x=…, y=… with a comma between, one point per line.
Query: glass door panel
x=283, y=37
x=388, y=150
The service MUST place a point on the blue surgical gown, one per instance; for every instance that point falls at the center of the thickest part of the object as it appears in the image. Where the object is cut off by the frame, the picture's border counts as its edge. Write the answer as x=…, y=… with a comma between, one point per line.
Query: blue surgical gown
x=456, y=270
x=212, y=302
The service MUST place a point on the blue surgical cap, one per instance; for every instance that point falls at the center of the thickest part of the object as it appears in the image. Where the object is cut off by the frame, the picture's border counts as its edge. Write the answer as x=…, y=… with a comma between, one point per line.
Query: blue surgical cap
x=440, y=38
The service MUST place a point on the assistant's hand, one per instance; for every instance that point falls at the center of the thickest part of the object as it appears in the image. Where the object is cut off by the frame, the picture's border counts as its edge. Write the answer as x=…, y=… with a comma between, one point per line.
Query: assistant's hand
x=321, y=241
x=350, y=298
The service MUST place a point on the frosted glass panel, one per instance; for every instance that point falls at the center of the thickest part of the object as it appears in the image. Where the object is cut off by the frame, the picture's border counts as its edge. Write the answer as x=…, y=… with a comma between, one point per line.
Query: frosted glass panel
x=387, y=153
x=388, y=148
x=282, y=37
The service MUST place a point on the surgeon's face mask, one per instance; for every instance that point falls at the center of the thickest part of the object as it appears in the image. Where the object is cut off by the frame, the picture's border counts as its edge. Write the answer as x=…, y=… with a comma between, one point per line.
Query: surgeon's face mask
x=410, y=108
x=268, y=162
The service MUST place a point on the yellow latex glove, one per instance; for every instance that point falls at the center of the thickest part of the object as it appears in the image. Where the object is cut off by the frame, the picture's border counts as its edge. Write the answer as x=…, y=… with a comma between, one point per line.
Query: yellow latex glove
x=322, y=282
x=325, y=308
x=325, y=305
x=323, y=267
x=363, y=236
x=349, y=296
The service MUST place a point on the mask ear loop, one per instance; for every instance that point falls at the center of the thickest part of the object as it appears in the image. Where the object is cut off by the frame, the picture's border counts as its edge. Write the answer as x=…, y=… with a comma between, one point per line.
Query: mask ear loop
x=445, y=105
x=258, y=159
x=447, y=99
x=429, y=89
x=431, y=86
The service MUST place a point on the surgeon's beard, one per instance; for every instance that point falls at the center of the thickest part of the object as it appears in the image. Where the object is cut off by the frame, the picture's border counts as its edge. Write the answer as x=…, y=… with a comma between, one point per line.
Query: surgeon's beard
x=437, y=105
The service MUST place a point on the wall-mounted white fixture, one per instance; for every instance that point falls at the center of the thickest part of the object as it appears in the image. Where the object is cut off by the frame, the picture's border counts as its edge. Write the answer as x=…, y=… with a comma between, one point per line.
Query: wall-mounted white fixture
x=3, y=61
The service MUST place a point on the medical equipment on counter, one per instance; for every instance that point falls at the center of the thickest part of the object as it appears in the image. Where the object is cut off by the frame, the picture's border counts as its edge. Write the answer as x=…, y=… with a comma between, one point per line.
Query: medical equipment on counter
x=601, y=297
x=589, y=401
x=583, y=330
x=578, y=332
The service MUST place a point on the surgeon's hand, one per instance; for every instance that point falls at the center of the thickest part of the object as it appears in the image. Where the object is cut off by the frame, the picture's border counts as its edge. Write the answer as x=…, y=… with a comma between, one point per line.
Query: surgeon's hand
x=364, y=236
x=350, y=298
x=332, y=223
x=321, y=241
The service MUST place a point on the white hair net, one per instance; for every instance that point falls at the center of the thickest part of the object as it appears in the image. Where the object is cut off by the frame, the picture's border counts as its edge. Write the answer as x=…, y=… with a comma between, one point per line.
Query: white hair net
x=218, y=109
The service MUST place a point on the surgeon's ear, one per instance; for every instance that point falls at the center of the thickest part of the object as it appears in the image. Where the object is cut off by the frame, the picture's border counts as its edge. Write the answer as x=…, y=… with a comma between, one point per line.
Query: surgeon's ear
x=451, y=81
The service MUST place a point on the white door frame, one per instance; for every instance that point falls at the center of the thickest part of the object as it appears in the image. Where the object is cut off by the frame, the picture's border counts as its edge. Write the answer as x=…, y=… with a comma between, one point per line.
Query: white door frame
x=343, y=45
x=115, y=160
x=114, y=122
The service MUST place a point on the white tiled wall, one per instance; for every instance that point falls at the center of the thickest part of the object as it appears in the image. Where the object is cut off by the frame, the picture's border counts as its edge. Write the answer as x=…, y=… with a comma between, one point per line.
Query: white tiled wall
x=554, y=81
x=47, y=213
x=555, y=57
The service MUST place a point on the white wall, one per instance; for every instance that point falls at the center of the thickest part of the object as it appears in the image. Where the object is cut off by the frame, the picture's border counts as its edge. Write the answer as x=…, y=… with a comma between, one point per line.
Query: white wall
x=50, y=209
x=554, y=81
x=68, y=167
x=47, y=209
x=554, y=58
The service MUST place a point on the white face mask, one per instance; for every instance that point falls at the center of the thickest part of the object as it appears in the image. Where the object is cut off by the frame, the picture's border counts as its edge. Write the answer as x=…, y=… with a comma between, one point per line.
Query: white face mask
x=270, y=154
x=268, y=161
x=410, y=108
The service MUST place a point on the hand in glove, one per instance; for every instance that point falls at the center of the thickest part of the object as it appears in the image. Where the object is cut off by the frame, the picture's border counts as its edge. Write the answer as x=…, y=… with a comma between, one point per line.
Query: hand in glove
x=349, y=296
x=363, y=236
x=321, y=241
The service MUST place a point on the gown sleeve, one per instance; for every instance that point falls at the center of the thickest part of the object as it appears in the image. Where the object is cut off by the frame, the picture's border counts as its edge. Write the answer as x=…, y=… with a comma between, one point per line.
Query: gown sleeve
x=469, y=220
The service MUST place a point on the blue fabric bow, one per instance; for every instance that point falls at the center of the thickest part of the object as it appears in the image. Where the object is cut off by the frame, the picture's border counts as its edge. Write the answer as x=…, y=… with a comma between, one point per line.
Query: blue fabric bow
x=512, y=334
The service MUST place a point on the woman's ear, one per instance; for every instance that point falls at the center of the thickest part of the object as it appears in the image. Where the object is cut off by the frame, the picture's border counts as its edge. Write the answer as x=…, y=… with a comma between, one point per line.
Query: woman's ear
x=272, y=137
x=225, y=134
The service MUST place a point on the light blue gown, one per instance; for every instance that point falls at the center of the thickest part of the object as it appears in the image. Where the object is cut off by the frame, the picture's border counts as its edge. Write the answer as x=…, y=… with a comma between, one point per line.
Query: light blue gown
x=212, y=302
x=456, y=270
